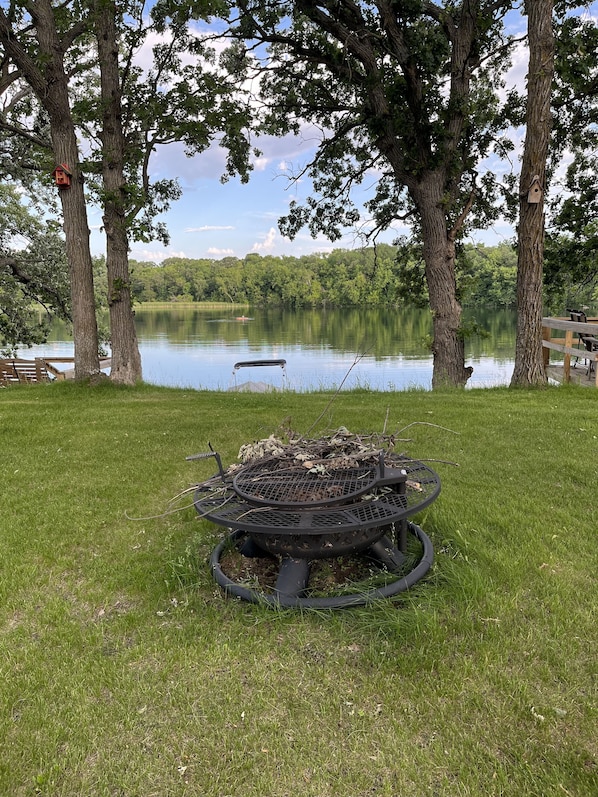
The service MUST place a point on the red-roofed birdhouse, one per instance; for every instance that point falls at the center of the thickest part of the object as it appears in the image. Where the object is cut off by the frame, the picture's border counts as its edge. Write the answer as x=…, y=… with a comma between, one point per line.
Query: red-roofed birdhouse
x=62, y=176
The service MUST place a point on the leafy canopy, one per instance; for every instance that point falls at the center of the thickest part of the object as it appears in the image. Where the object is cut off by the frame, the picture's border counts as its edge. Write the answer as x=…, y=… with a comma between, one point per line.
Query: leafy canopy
x=398, y=89
x=34, y=283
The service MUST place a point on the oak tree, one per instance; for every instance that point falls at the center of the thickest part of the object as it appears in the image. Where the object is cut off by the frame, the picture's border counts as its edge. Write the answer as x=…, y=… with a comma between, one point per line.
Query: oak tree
x=35, y=37
x=404, y=92
x=124, y=113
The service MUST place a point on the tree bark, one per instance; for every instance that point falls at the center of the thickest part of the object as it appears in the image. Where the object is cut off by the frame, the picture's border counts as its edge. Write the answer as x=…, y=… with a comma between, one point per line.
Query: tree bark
x=50, y=84
x=126, y=360
x=448, y=345
x=529, y=367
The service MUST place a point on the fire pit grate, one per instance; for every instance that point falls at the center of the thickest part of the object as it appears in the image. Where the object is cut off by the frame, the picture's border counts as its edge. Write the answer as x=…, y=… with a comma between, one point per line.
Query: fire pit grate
x=219, y=501
x=266, y=482
x=298, y=512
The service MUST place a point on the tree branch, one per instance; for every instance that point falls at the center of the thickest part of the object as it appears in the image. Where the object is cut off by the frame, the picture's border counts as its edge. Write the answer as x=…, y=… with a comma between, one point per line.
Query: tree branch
x=35, y=284
x=25, y=134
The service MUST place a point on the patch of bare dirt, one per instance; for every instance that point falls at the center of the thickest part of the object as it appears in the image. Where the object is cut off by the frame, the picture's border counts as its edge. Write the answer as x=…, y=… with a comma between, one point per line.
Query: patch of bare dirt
x=326, y=575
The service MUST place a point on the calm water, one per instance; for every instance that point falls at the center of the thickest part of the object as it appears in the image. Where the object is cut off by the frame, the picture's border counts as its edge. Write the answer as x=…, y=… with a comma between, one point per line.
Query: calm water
x=184, y=346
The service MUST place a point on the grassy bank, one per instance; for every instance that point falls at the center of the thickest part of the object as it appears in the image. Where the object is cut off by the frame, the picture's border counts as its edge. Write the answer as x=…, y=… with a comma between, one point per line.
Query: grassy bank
x=126, y=672
x=194, y=305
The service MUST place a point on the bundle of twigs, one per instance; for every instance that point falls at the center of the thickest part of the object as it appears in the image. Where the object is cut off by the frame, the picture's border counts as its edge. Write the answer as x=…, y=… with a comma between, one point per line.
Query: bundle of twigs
x=337, y=450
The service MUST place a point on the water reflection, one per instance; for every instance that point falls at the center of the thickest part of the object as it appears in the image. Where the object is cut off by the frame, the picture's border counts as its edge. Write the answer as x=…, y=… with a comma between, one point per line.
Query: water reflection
x=186, y=346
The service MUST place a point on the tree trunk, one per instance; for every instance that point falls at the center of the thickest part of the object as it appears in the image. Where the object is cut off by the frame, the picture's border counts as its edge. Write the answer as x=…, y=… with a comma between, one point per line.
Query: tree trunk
x=448, y=346
x=126, y=360
x=76, y=231
x=529, y=368
x=50, y=84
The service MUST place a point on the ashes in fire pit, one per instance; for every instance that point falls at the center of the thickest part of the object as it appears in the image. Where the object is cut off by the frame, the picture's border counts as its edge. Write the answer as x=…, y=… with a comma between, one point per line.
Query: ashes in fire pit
x=298, y=503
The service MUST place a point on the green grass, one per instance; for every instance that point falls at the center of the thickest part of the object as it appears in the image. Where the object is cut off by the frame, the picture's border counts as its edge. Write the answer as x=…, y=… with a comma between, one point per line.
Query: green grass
x=126, y=673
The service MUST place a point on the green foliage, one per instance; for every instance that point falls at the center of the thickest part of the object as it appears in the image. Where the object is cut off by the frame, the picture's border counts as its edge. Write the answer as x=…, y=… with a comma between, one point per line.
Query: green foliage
x=381, y=81
x=382, y=277
x=487, y=275
x=33, y=273
x=412, y=273
x=571, y=267
x=181, y=95
x=572, y=243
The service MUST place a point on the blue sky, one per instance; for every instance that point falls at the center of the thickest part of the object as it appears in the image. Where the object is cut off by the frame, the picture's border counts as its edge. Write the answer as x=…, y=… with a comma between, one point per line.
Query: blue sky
x=215, y=220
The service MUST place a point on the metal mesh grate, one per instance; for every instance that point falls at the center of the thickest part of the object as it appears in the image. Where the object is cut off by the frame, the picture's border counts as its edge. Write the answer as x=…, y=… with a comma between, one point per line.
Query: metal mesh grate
x=272, y=484
x=220, y=502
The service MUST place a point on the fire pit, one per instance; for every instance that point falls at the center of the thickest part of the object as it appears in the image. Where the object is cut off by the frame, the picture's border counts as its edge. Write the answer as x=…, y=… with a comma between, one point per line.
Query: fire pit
x=295, y=511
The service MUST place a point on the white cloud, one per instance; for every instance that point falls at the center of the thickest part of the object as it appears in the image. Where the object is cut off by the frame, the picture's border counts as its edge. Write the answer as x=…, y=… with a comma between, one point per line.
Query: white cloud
x=283, y=156
x=268, y=242
x=210, y=228
x=263, y=215
x=260, y=164
x=215, y=251
x=517, y=74
x=286, y=154
x=153, y=255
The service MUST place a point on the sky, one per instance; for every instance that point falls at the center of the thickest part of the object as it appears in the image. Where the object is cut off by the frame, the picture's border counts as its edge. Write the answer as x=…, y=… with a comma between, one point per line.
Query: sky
x=216, y=220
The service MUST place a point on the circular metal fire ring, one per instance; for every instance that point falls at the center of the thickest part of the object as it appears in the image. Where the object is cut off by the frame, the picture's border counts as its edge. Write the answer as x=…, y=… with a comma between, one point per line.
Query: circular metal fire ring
x=399, y=585
x=218, y=500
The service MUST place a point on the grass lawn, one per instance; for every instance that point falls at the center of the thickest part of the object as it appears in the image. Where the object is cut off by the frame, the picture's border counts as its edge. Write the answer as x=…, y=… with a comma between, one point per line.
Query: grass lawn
x=127, y=673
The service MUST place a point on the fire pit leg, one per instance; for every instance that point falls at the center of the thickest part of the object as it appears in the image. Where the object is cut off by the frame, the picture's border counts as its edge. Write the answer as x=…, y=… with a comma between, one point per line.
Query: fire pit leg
x=402, y=536
x=387, y=553
x=247, y=547
x=292, y=577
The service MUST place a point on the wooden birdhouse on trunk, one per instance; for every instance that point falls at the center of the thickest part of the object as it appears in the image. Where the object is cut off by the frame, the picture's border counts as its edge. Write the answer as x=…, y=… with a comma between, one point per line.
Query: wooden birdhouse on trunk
x=534, y=193
x=62, y=176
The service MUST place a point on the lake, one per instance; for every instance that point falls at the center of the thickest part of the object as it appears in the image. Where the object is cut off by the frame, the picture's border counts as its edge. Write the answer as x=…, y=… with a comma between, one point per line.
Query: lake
x=189, y=346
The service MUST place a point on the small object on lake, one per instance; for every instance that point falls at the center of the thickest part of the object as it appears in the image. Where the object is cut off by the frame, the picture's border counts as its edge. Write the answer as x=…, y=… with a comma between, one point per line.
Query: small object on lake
x=252, y=387
x=257, y=387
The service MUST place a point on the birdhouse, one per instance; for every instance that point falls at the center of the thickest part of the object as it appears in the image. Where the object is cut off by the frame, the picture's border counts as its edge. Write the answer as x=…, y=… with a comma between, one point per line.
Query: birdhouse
x=534, y=193
x=62, y=176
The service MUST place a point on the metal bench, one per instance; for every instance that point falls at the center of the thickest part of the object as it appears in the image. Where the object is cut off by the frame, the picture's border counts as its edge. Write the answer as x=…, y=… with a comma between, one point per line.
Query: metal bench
x=591, y=345
x=576, y=315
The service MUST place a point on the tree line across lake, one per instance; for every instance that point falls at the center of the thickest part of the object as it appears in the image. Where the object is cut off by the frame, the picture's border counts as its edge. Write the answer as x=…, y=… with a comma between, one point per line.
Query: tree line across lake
x=376, y=277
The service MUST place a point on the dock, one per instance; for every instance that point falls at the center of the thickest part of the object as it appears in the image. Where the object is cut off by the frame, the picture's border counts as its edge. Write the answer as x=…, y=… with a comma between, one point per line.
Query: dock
x=577, y=375
x=580, y=363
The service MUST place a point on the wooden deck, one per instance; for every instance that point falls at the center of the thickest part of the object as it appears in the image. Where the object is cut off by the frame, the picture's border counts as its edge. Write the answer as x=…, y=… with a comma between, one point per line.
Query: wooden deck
x=577, y=375
x=569, y=345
